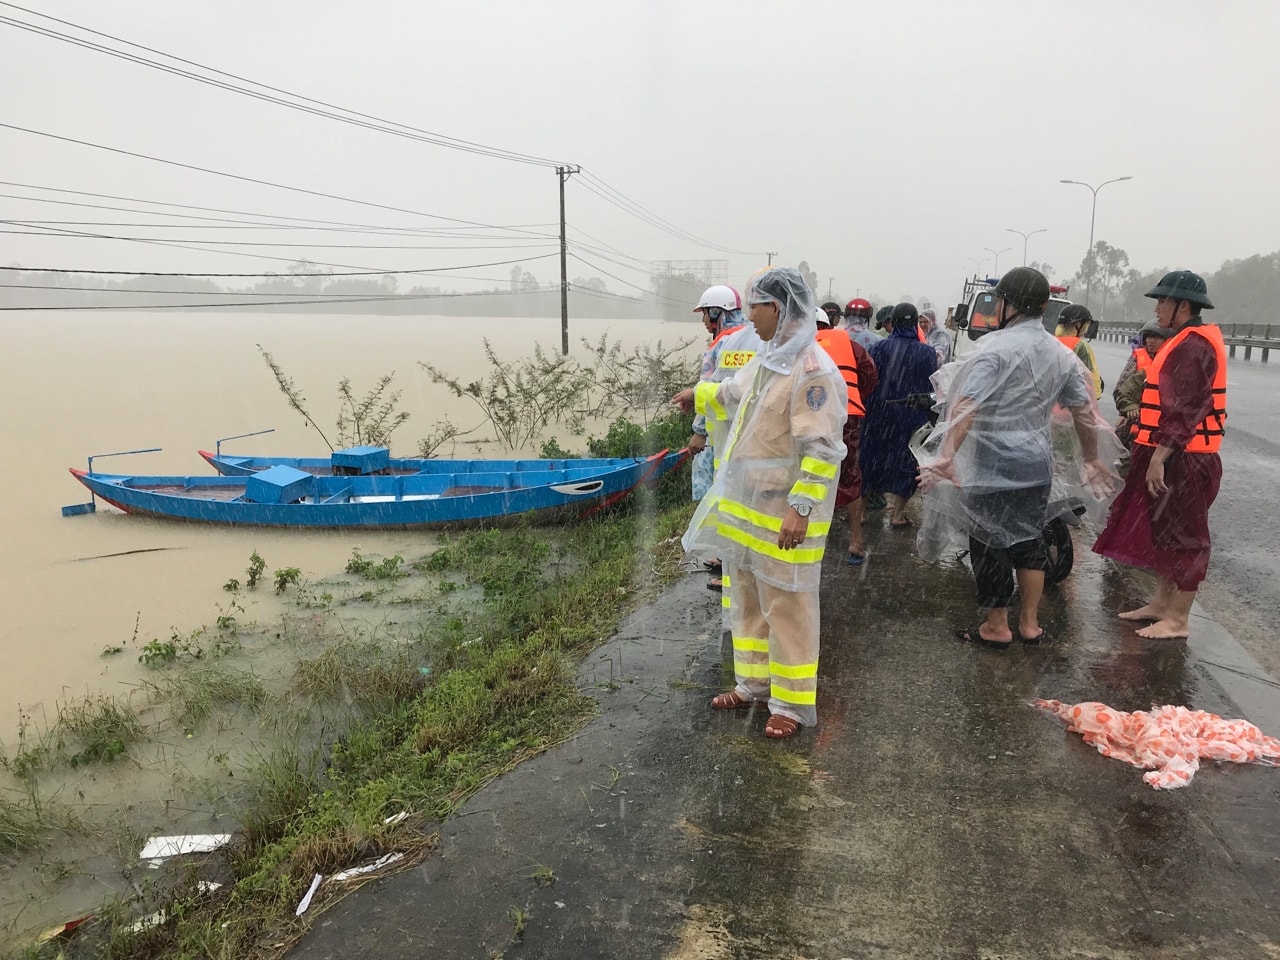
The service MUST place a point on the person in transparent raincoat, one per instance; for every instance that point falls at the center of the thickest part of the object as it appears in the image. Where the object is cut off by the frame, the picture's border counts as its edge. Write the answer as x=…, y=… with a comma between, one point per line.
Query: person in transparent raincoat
x=769, y=509
x=1020, y=441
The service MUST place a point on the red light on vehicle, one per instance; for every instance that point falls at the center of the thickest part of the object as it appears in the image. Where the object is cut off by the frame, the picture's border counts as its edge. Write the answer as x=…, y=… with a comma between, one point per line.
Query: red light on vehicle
x=1058, y=291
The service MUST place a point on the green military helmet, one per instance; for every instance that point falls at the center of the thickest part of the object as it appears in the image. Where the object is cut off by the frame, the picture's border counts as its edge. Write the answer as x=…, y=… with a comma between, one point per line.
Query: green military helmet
x=1154, y=329
x=1182, y=285
x=1024, y=287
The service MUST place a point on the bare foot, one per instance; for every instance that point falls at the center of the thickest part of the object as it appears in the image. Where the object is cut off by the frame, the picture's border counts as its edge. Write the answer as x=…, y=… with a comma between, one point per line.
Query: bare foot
x=1149, y=612
x=1165, y=630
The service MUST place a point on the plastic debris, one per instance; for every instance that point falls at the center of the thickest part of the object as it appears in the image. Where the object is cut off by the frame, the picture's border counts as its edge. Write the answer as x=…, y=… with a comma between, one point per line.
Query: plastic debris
x=395, y=818
x=63, y=930
x=311, y=892
x=378, y=864
x=158, y=849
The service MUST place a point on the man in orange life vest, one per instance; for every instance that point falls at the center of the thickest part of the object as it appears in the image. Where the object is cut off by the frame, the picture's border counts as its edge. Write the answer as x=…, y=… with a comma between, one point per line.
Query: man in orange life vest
x=1160, y=521
x=859, y=373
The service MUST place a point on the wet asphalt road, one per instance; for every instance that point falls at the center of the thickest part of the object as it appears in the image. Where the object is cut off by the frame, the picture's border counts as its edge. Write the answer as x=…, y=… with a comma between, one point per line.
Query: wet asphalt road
x=932, y=813
x=1243, y=588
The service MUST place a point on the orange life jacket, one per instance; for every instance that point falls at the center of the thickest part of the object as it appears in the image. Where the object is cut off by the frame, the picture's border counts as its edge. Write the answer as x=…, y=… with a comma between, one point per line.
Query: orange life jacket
x=920, y=336
x=840, y=348
x=1208, y=435
x=1069, y=342
x=1143, y=359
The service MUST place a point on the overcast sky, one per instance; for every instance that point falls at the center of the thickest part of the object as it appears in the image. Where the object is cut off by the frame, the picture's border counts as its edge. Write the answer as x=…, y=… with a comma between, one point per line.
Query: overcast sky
x=888, y=143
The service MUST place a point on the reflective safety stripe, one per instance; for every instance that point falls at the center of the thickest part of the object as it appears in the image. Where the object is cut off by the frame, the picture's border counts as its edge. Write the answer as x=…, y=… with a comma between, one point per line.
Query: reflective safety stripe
x=754, y=671
x=706, y=402
x=801, y=698
x=814, y=491
x=819, y=468
x=715, y=463
x=765, y=548
x=750, y=645
x=732, y=508
x=803, y=671
x=724, y=597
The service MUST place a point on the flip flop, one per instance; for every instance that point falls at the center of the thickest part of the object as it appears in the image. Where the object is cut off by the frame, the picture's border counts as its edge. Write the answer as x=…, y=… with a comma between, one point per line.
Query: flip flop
x=905, y=524
x=974, y=635
x=713, y=566
x=1035, y=641
x=855, y=559
x=717, y=585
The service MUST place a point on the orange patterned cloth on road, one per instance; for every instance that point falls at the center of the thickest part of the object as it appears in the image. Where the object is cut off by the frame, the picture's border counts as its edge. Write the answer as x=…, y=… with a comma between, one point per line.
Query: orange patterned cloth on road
x=1167, y=741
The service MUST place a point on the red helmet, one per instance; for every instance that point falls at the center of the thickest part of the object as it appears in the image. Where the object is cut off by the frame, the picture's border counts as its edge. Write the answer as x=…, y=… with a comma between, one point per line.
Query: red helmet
x=858, y=308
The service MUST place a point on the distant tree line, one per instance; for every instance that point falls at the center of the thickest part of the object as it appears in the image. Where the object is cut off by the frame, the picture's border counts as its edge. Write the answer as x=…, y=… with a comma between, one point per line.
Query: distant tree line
x=1243, y=291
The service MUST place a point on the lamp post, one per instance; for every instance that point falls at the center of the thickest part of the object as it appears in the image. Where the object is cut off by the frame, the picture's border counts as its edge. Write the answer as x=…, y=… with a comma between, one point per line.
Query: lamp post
x=1025, y=237
x=995, y=267
x=1093, y=214
x=977, y=264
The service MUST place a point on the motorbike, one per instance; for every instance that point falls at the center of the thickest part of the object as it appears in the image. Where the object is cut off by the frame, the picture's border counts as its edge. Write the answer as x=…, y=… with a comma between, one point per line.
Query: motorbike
x=1055, y=535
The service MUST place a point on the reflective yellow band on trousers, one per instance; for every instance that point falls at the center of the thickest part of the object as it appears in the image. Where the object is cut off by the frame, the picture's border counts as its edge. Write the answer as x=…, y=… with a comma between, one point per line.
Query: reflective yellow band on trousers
x=801, y=698
x=803, y=671
x=732, y=508
x=754, y=671
x=705, y=402
x=750, y=645
x=755, y=544
x=814, y=491
x=818, y=468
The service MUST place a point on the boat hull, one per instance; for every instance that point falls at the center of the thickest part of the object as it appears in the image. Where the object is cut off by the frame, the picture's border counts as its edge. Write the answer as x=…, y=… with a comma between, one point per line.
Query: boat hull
x=377, y=502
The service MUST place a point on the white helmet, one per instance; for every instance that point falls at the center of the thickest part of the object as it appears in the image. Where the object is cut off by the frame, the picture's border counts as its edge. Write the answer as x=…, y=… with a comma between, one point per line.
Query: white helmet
x=724, y=297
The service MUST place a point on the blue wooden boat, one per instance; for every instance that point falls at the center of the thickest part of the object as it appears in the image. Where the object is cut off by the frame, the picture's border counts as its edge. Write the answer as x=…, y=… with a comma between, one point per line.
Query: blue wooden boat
x=360, y=461
x=284, y=496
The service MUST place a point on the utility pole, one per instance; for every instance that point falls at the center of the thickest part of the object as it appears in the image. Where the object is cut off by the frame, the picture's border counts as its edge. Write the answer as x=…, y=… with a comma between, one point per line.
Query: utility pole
x=564, y=173
x=770, y=254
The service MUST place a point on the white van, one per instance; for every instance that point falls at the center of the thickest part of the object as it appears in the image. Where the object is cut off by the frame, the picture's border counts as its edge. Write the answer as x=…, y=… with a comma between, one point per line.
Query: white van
x=975, y=315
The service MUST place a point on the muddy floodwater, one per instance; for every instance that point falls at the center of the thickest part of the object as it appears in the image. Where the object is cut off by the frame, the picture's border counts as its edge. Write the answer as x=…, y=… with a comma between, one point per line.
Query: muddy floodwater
x=76, y=384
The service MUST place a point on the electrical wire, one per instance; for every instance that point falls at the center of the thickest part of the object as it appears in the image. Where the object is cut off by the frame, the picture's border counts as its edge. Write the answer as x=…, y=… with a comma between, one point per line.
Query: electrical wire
x=518, y=228
x=282, y=303
x=83, y=235
x=321, y=108
x=620, y=200
x=245, y=179
x=593, y=266
x=601, y=188
x=358, y=273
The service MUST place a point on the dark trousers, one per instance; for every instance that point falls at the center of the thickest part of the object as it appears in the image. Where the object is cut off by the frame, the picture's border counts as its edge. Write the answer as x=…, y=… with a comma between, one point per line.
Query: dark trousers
x=993, y=568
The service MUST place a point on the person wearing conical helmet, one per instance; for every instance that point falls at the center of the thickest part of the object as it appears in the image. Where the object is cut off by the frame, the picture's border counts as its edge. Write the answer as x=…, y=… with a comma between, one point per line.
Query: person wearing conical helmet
x=769, y=510
x=1160, y=521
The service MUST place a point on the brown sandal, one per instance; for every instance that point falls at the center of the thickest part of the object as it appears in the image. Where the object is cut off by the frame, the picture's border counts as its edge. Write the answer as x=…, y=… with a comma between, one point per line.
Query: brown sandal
x=732, y=700
x=780, y=727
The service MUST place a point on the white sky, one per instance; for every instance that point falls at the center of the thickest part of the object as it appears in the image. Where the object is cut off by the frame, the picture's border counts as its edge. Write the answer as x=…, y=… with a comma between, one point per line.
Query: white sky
x=888, y=143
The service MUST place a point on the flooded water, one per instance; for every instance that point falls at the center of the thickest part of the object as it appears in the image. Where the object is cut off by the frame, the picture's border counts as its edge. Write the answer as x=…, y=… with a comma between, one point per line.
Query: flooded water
x=75, y=384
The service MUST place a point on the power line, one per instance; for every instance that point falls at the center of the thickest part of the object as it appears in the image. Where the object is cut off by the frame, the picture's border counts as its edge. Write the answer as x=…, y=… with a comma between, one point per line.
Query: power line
x=516, y=228
x=656, y=296
x=360, y=273
x=322, y=107
x=245, y=179
x=83, y=235
x=620, y=200
x=283, y=303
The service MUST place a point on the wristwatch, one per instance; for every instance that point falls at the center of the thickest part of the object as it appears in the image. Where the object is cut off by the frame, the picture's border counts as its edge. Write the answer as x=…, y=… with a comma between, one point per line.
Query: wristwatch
x=802, y=508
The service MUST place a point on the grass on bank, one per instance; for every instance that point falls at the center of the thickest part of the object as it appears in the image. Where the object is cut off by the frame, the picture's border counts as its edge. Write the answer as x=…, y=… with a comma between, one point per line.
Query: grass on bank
x=502, y=687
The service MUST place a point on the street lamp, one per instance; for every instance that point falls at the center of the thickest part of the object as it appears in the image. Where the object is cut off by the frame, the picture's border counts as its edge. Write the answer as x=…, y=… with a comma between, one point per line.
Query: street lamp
x=995, y=268
x=977, y=265
x=1093, y=213
x=1025, y=237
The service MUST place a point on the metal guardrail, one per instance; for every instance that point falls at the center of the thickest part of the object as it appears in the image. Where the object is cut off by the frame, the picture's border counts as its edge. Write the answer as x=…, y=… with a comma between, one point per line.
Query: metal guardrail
x=1249, y=336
